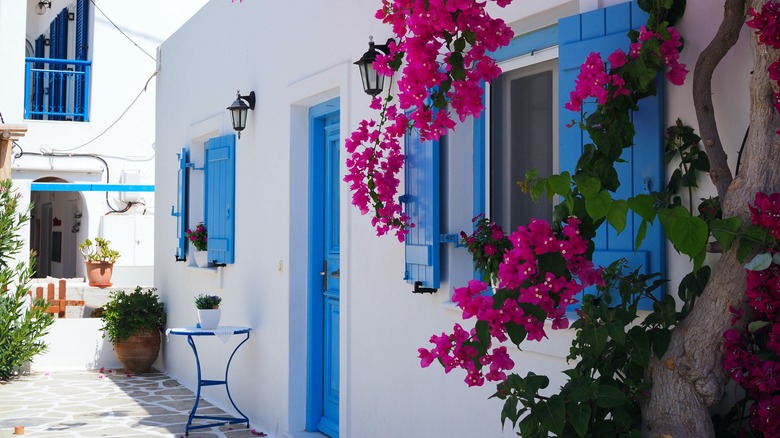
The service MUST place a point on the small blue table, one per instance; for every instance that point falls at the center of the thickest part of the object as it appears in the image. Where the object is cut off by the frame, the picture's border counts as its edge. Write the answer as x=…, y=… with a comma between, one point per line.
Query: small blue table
x=189, y=332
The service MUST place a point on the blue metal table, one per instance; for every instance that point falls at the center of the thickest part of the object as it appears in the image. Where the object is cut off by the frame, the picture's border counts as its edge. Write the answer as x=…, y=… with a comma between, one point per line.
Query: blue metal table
x=190, y=332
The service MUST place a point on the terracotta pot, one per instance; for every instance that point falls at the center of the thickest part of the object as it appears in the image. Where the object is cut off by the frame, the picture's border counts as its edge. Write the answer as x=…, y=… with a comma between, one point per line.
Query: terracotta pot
x=99, y=273
x=138, y=352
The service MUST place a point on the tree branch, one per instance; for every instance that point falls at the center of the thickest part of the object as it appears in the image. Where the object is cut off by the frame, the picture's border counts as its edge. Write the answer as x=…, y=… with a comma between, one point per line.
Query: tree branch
x=724, y=40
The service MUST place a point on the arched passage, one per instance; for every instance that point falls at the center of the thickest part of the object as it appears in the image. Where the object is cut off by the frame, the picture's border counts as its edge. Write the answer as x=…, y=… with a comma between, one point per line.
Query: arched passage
x=56, y=221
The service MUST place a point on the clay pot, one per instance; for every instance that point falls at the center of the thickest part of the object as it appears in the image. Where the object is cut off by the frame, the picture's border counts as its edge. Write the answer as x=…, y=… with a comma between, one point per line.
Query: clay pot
x=99, y=273
x=138, y=352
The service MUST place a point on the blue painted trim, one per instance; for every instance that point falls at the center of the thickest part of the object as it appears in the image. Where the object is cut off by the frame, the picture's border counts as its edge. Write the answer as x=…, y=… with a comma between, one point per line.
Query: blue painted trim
x=314, y=390
x=480, y=146
x=87, y=187
x=528, y=43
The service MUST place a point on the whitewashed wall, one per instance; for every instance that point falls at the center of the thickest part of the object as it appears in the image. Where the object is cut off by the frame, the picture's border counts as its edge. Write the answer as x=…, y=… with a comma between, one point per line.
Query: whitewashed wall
x=294, y=55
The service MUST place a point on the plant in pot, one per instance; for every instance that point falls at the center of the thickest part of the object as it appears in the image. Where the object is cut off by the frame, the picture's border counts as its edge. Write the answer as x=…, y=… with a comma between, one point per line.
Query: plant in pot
x=100, y=259
x=133, y=323
x=208, y=310
x=199, y=239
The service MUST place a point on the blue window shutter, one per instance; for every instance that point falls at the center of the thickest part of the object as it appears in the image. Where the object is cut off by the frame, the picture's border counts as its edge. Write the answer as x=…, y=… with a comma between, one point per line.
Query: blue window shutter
x=182, y=197
x=58, y=49
x=37, y=78
x=220, y=197
x=82, y=17
x=605, y=30
x=421, y=204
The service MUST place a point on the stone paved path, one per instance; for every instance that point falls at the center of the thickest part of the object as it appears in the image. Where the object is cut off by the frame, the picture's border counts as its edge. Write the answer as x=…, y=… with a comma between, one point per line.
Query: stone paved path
x=109, y=404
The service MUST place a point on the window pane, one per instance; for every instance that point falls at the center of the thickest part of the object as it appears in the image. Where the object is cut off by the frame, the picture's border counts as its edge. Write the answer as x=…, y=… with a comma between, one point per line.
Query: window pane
x=521, y=140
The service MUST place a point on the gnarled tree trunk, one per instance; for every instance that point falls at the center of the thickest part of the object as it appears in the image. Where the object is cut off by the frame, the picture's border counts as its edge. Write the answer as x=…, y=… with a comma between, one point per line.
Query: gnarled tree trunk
x=689, y=379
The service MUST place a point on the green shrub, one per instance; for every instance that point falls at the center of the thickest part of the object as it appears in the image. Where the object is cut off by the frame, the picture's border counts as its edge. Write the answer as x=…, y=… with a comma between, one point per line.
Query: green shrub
x=21, y=328
x=127, y=314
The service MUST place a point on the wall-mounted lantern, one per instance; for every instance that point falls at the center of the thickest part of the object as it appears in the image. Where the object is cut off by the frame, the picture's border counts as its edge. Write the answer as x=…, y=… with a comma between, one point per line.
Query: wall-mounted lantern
x=373, y=82
x=239, y=109
x=41, y=7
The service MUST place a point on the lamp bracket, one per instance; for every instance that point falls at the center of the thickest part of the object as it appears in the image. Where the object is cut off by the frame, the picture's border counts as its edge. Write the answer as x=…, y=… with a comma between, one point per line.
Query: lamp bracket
x=249, y=98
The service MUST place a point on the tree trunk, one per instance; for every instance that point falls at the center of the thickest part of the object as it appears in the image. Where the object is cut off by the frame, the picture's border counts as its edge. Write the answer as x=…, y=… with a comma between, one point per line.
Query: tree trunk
x=689, y=379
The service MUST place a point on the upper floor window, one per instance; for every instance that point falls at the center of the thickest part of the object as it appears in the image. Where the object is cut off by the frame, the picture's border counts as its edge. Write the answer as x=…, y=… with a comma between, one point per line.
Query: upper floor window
x=57, y=75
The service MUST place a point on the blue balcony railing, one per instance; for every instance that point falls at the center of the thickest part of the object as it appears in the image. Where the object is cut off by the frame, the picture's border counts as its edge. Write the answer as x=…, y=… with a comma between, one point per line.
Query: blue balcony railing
x=57, y=89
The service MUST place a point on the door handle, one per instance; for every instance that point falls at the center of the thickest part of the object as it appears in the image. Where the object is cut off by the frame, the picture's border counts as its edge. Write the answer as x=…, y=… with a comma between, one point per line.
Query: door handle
x=336, y=273
x=324, y=276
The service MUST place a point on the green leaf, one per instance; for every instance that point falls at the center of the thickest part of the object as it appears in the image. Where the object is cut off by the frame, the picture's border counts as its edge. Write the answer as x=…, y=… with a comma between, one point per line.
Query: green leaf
x=755, y=326
x=516, y=332
x=745, y=248
x=643, y=206
x=560, y=184
x=641, y=233
x=639, y=346
x=661, y=339
x=617, y=332
x=551, y=414
x=596, y=338
x=510, y=411
x=689, y=235
x=587, y=185
x=759, y=262
x=597, y=204
x=725, y=230
x=776, y=258
x=608, y=396
x=579, y=416
x=616, y=215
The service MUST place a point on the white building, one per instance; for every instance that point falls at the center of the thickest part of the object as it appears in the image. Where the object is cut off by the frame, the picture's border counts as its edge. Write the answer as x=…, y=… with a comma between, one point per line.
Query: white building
x=90, y=121
x=345, y=363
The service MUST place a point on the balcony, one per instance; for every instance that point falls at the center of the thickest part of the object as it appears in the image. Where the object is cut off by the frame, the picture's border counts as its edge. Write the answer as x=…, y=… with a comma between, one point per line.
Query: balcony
x=57, y=89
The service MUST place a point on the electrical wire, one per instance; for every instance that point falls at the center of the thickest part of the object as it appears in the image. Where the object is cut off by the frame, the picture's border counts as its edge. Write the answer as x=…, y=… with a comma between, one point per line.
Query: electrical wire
x=117, y=119
x=121, y=31
x=94, y=156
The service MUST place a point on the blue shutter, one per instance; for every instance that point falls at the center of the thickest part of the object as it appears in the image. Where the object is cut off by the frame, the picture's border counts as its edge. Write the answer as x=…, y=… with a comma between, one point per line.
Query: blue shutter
x=37, y=77
x=182, y=196
x=220, y=197
x=82, y=17
x=58, y=49
x=421, y=204
x=605, y=30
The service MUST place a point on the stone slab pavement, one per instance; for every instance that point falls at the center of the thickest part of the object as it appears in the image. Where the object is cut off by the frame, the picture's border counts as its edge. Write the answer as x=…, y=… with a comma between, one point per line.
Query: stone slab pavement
x=105, y=404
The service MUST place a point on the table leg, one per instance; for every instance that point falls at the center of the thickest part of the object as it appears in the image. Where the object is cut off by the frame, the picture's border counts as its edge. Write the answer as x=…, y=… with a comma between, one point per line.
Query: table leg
x=227, y=386
x=197, y=395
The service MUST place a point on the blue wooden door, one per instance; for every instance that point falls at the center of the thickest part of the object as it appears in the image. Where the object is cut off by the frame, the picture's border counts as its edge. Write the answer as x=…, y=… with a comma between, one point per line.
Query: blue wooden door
x=323, y=392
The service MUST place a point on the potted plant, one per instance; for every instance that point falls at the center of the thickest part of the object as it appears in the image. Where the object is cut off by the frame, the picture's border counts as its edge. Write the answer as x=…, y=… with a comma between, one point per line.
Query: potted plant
x=208, y=310
x=199, y=239
x=133, y=323
x=100, y=260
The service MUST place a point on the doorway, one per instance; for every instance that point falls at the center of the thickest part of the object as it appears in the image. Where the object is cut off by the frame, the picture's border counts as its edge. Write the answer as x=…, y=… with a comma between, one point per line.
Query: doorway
x=324, y=269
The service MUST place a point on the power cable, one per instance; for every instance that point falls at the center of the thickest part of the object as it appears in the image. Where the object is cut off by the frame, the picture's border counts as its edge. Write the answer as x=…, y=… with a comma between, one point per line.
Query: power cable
x=118, y=118
x=121, y=31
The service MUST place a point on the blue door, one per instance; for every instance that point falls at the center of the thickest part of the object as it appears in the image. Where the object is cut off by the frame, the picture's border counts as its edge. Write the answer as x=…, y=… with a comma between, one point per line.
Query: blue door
x=324, y=269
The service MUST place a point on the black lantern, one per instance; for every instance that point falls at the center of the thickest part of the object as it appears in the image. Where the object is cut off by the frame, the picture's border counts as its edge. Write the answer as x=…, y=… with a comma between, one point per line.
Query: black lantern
x=239, y=109
x=373, y=82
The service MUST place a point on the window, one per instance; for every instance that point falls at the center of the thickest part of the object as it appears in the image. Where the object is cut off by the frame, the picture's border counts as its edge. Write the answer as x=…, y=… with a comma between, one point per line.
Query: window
x=60, y=90
x=218, y=198
x=522, y=138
